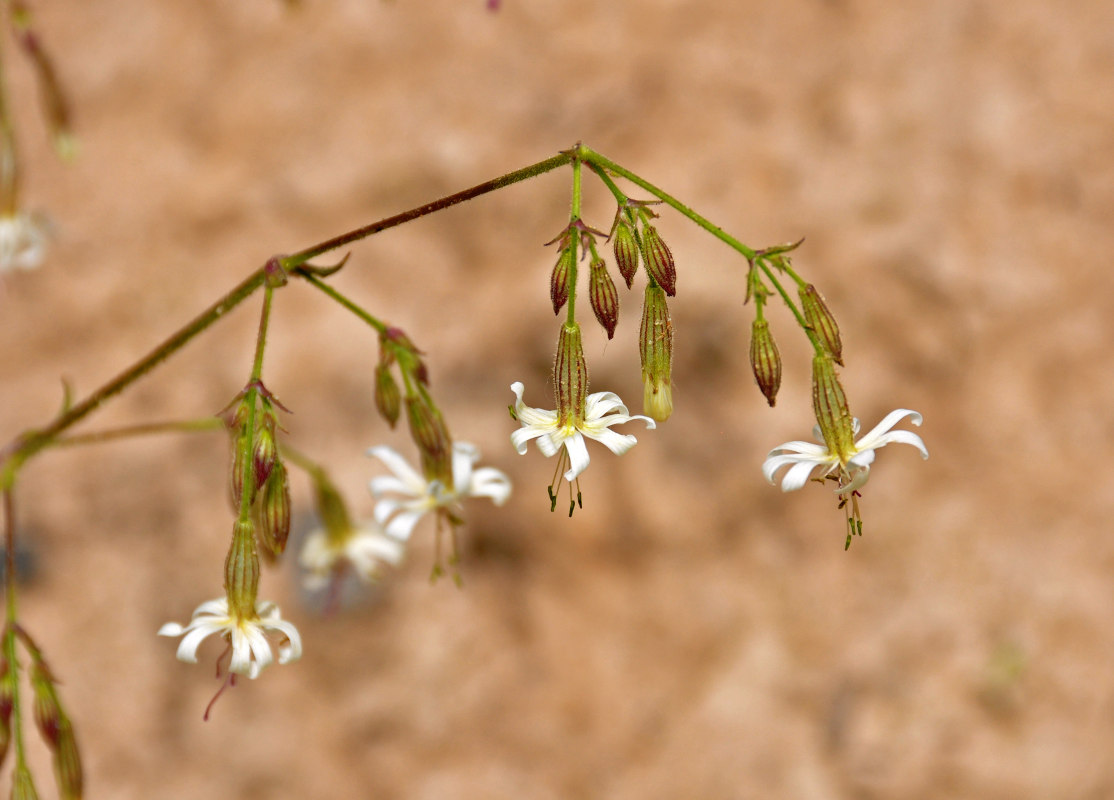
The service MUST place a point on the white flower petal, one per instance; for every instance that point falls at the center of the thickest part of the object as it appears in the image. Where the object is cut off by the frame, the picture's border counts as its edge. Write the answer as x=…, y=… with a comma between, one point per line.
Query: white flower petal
x=578, y=456
x=413, y=482
x=492, y=483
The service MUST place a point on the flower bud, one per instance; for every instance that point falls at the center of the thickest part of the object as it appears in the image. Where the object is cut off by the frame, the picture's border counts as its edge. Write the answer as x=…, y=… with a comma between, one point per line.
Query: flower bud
x=388, y=401
x=659, y=261
x=626, y=251
x=67, y=765
x=47, y=711
x=331, y=511
x=430, y=434
x=830, y=406
x=265, y=451
x=241, y=571
x=23, y=786
x=765, y=360
x=820, y=319
x=559, y=281
x=570, y=375
x=605, y=300
x=655, y=345
x=7, y=703
x=274, y=513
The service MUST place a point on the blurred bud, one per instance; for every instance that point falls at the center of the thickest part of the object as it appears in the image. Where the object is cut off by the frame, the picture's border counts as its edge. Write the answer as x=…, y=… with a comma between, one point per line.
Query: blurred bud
x=655, y=346
x=274, y=513
x=23, y=787
x=830, y=406
x=430, y=434
x=659, y=261
x=626, y=251
x=820, y=319
x=67, y=765
x=47, y=711
x=570, y=375
x=765, y=360
x=241, y=571
x=559, y=281
x=388, y=401
x=55, y=107
x=331, y=511
x=604, y=297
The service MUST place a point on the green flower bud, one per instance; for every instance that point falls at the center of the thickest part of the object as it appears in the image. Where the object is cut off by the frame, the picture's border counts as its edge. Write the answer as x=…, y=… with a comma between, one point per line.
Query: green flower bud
x=604, y=297
x=265, y=451
x=430, y=434
x=331, y=511
x=559, y=281
x=7, y=703
x=765, y=360
x=830, y=406
x=67, y=766
x=23, y=786
x=274, y=513
x=659, y=261
x=655, y=345
x=388, y=400
x=820, y=319
x=626, y=251
x=570, y=375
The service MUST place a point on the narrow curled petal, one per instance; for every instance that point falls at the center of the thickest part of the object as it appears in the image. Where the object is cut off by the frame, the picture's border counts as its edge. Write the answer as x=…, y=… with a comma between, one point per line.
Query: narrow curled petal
x=881, y=435
x=578, y=456
x=406, y=479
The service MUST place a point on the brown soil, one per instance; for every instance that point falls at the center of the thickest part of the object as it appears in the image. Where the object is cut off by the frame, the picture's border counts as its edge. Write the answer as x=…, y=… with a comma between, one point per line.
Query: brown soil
x=692, y=632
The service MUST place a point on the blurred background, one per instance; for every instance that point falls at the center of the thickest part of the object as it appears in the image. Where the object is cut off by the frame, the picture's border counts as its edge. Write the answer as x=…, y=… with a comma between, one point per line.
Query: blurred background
x=692, y=632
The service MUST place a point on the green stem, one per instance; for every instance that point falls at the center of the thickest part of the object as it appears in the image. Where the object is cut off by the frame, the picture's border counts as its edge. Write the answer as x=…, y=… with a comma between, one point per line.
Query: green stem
x=351, y=305
x=203, y=425
x=247, y=493
x=574, y=240
x=11, y=626
x=532, y=171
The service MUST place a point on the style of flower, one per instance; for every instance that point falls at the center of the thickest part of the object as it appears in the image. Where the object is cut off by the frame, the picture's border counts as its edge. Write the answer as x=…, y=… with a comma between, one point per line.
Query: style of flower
x=601, y=411
x=416, y=496
x=366, y=550
x=247, y=637
x=23, y=239
x=852, y=469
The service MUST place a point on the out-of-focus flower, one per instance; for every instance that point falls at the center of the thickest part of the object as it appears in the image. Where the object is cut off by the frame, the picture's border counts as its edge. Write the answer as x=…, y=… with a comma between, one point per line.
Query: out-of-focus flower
x=415, y=496
x=366, y=549
x=247, y=637
x=601, y=411
x=23, y=239
x=852, y=468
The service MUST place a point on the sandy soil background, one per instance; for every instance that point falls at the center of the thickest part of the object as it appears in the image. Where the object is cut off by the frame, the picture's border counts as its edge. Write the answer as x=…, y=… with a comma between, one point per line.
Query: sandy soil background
x=692, y=632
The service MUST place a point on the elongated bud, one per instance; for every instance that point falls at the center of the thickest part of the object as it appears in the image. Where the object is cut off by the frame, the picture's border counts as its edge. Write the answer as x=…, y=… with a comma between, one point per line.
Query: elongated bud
x=331, y=511
x=820, y=319
x=570, y=376
x=428, y=430
x=55, y=107
x=765, y=360
x=830, y=406
x=559, y=281
x=626, y=251
x=655, y=346
x=67, y=765
x=604, y=297
x=48, y=712
x=241, y=571
x=274, y=513
x=659, y=261
x=7, y=703
x=265, y=452
x=388, y=400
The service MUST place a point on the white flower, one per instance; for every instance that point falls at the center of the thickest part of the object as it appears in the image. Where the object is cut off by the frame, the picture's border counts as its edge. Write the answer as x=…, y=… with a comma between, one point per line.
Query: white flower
x=601, y=411
x=853, y=469
x=251, y=650
x=23, y=239
x=416, y=495
x=366, y=549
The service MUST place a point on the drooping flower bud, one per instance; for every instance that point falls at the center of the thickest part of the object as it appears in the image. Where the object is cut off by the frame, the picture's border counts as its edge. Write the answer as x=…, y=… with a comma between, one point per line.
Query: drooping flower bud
x=765, y=360
x=56, y=729
x=655, y=346
x=830, y=406
x=570, y=375
x=659, y=261
x=604, y=297
x=388, y=400
x=23, y=785
x=7, y=703
x=274, y=513
x=431, y=435
x=559, y=281
x=820, y=319
x=239, y=458
x=265, y=452
x=67, y=765
x=48, y=713
x=241, y=571
x=626, y=251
